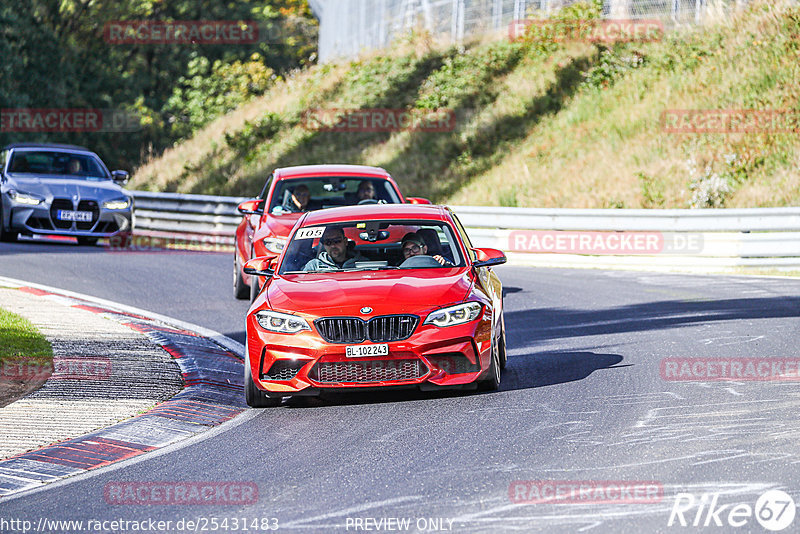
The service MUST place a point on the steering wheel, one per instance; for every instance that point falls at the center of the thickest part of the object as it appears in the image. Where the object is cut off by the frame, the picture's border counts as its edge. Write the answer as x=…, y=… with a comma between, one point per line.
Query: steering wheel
x=420, y=261
x=367, y=201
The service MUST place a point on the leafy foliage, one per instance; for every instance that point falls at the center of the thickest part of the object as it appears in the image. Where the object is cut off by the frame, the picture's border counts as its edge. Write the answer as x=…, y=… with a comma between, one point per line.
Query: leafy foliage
x=254, y=133
x=209, y=91
x=463, y=78
x=610, y=67
x=55, y=56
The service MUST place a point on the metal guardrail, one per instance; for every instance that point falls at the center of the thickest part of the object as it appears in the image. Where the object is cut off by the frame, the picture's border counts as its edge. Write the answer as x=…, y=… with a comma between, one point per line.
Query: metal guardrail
x=704, y=238
x=625, y=220
x=193, y=214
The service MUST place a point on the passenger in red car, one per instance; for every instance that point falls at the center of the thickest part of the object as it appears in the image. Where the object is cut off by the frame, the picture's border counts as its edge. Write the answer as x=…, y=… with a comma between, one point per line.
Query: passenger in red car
x=336, y=255
x=414, y=245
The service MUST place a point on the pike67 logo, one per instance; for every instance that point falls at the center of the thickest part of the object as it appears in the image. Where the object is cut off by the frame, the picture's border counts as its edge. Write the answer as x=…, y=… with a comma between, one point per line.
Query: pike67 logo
x=774, y=510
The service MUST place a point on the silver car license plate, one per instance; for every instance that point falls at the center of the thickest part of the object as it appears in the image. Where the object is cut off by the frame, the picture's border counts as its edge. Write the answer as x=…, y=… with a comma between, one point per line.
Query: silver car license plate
x=360, y=351
x=77, y=216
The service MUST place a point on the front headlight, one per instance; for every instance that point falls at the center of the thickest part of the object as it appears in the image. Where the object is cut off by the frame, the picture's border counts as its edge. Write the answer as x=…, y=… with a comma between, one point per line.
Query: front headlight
x=25, y=199
x=118, y=204
x=453, y=315
x=274, y=244
x=281, y=322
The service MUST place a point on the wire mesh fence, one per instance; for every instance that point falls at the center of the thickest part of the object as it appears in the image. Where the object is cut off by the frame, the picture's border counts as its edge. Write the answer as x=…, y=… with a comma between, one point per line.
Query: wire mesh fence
x=349, y=27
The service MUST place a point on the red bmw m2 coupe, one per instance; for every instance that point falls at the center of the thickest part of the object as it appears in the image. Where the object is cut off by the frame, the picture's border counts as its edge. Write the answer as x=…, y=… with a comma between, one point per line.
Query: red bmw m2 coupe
x=375, y=296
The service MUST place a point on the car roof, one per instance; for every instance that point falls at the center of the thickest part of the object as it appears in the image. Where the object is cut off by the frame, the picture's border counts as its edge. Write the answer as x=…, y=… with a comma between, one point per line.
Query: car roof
x=333, y=170
x=45, y=145
x=430, y=212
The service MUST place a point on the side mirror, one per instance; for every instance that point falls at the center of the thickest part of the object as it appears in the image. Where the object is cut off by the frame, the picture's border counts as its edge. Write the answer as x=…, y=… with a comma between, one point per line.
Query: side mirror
x=417, y=200
x=120, y=177
x=251, y=207
x=487, y=257
x=261, y=266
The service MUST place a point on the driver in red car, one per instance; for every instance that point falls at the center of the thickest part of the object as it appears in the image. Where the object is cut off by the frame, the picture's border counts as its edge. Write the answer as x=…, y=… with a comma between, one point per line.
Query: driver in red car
x=414, y=245
x=336, y=255
x=366, y=191
x=299, y=200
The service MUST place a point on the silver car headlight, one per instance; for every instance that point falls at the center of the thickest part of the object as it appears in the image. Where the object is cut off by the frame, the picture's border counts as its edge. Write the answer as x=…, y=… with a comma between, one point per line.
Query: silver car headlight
x=117, y=204
x=274, y=244
x=24, y=198
x=282, y=323
x=453, y=315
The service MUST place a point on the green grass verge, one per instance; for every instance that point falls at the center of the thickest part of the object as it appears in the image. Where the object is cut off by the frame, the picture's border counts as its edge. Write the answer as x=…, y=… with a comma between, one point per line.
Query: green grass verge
x=21, y=341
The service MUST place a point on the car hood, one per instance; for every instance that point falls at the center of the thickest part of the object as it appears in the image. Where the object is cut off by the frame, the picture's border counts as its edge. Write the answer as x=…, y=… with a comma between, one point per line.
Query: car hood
x=386, y=292
x=60, y=187
x=279, y=226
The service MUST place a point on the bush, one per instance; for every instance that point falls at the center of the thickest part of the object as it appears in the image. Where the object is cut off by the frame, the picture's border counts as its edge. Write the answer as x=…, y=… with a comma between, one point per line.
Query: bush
x=210, y=91
x=463, y=78
x=254, y=133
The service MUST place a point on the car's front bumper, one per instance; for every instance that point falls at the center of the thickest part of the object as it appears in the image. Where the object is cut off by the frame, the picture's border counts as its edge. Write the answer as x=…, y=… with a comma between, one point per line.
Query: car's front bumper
x=41, y=220
x=285, y=365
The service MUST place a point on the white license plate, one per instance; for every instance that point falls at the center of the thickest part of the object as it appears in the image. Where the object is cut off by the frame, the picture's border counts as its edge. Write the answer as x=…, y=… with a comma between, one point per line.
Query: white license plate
x=77, y=216
x=359, y=351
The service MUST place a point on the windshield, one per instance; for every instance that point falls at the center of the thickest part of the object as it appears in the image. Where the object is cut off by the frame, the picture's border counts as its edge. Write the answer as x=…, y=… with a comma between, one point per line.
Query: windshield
x=67, y=164
x=309, y=194
x=372, y=245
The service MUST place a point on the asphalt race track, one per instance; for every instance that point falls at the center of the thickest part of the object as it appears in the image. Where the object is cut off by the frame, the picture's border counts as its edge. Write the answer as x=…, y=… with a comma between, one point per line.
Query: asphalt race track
x=583, y=401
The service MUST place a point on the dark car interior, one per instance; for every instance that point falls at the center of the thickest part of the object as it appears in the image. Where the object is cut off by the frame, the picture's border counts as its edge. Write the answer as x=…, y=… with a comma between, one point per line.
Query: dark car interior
x=55, y=163
x=331, y=192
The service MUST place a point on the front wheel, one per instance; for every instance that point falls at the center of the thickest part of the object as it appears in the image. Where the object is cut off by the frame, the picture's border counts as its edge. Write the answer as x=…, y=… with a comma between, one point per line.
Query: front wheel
x=255, y=288
x=254, y=397
x=502, y=347
x=240, y=290
x=492, y=382
x=6, y=236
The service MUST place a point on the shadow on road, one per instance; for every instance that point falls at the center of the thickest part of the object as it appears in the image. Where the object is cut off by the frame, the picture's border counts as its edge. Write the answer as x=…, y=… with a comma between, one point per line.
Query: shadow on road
x=546, y=324
x=536, y=370
x=522, y=372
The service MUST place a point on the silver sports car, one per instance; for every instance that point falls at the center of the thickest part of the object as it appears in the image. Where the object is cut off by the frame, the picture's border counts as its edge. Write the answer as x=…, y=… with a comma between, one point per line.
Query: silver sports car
x=61, y=190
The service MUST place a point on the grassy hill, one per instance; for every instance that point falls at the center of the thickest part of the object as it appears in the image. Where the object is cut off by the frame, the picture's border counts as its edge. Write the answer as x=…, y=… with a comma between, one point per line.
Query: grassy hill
x=539, y=124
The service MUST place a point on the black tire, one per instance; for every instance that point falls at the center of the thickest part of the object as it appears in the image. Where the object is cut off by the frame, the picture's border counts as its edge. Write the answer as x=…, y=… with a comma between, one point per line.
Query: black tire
x=254, y=397
x=501, y=348
x=240, y=290
x=492, y=382
x=6, y=236
x=87, y=241
x=255, y=288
